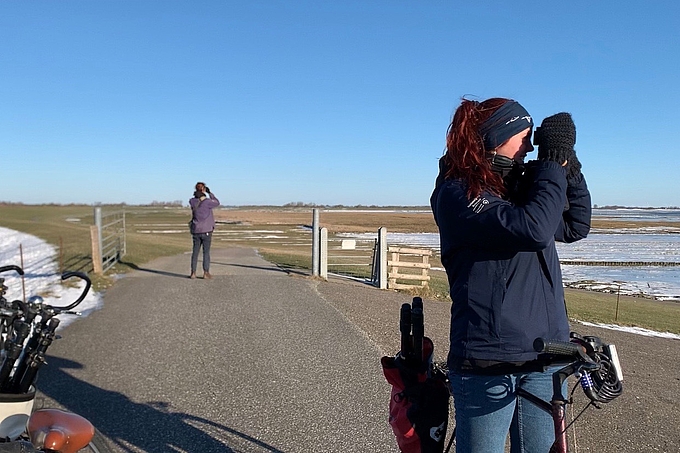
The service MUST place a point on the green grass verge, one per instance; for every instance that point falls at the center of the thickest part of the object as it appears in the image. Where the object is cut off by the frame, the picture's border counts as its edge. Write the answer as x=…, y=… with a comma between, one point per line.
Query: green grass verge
x=632, y=311
x=287, y=261
x=598, y=307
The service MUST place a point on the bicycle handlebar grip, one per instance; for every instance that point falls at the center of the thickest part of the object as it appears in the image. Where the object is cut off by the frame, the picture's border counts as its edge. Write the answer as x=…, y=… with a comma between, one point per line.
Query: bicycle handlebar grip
x=558, y=347
x=12, y=267
x=405, y=329
x=405, y=319
x=418, y=329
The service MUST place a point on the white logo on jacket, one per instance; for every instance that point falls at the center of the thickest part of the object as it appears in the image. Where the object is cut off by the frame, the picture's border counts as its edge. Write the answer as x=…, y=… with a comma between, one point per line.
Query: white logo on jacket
x=478, y=204
x=437, y=432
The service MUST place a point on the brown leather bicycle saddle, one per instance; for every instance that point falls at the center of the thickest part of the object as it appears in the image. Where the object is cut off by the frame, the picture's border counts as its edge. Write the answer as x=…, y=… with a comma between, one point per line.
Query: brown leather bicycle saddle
x=59, y=431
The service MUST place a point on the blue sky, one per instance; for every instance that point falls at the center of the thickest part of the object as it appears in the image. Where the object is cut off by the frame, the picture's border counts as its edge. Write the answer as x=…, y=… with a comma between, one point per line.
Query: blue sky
x=328, y=102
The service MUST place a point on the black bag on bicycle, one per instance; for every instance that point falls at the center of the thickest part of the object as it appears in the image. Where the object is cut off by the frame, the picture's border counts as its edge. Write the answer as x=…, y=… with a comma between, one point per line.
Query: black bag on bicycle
x=419, y=401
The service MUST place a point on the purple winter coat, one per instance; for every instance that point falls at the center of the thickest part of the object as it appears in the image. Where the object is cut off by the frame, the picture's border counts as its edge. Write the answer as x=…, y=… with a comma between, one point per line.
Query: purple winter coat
x=202, y=220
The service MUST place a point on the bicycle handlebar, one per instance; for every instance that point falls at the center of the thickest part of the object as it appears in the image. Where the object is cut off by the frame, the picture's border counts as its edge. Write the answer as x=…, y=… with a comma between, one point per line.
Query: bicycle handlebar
x=405, y=330
x=595, y=363
x=12, y=267
x=563, y=348
x=65, y=276
x=88, y=284
x=27, y=329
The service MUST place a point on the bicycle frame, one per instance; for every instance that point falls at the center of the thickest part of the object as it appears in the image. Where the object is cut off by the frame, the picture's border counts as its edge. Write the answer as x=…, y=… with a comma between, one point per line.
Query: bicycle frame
x=582, y=357
x=556, y=407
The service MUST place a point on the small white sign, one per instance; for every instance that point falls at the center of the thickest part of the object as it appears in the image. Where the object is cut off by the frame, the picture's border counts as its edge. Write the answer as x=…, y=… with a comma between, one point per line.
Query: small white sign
x=348, y=244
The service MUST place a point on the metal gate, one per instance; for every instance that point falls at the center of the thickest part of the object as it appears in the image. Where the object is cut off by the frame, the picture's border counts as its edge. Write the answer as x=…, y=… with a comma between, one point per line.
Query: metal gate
x=364, y=259
x=108, y=239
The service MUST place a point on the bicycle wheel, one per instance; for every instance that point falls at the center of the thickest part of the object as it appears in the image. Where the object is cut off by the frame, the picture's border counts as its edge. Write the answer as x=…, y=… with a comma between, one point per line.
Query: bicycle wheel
x=98, y=444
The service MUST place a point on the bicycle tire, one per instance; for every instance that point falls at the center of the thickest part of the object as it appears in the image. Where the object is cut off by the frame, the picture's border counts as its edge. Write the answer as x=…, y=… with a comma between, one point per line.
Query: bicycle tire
x=98, y=444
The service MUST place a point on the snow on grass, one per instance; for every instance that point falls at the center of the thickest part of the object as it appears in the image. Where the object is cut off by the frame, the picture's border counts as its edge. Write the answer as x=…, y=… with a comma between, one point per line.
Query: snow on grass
x=41, y=275
x=635, y=330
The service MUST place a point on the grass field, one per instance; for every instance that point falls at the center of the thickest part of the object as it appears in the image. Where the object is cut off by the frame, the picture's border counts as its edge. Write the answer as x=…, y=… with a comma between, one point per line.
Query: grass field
x=282, y=236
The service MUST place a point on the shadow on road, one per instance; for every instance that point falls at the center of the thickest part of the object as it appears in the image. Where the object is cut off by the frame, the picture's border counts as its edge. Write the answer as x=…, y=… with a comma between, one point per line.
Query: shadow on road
x=152, y=271
x=150, y=427
x=248, y=266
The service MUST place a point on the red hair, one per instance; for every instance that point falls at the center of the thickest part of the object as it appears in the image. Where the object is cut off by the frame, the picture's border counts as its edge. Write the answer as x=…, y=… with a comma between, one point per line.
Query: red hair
x=465, y=157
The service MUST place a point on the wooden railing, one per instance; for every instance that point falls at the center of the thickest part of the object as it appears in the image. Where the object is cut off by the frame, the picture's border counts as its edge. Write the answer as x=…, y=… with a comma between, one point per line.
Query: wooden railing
x=410, y=265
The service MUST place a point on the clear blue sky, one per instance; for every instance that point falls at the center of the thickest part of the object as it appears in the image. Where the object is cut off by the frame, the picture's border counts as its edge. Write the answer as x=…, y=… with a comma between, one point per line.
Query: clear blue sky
x=328, y=102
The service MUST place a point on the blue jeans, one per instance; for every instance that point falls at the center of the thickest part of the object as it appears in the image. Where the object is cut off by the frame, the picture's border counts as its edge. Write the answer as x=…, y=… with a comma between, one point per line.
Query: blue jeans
x=487, y=408
x=201, y=240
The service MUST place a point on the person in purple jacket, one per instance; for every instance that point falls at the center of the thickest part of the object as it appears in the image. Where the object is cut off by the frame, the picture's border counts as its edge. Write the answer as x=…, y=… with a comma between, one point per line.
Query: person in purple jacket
x=202, y=226
x=498, y=221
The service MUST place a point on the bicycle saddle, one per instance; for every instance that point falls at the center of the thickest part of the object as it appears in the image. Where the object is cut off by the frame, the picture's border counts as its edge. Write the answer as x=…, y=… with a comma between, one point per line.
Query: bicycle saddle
x=59, y=431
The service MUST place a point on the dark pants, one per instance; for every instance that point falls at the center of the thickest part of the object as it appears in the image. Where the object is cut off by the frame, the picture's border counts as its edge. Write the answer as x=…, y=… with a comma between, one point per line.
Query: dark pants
x=201, y=240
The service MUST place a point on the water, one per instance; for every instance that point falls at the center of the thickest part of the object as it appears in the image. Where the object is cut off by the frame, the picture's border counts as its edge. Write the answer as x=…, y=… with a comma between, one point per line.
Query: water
x=646, y=244
x=636, y=214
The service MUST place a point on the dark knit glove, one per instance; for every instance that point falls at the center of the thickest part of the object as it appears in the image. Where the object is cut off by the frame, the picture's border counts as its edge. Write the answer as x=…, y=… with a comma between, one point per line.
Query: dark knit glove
x=555, y=139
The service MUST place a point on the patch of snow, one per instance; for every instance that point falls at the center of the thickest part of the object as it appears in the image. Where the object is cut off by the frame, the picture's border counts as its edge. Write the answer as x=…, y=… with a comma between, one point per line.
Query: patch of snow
x=41, y=275
x=635, y=330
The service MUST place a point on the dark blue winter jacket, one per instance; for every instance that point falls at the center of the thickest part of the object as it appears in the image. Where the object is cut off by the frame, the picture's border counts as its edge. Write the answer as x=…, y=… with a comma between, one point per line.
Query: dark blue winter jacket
x=502, y=264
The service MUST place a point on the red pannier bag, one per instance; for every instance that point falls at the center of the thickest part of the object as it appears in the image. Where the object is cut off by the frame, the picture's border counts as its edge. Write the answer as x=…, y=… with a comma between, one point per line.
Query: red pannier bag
x=419, y=402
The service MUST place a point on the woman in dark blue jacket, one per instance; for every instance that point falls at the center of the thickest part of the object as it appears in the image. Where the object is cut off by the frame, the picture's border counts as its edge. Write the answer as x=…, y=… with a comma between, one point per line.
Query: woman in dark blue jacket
x=498, y=221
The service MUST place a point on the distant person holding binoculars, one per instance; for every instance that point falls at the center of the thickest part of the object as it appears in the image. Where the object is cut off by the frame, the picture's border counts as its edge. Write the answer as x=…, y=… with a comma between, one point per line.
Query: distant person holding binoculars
x=201, y=226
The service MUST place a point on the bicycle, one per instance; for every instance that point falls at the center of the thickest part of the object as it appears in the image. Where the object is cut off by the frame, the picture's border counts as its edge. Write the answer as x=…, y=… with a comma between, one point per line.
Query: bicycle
x=597, y=368
x=26, y=331
x=417, y=381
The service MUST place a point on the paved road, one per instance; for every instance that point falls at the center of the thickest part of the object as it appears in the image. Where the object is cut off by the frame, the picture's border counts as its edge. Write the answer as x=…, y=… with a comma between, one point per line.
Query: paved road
x=259, y=360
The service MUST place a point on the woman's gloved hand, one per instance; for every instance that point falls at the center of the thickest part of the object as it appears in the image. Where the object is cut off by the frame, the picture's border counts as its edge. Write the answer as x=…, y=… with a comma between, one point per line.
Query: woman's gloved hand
x=555, y=139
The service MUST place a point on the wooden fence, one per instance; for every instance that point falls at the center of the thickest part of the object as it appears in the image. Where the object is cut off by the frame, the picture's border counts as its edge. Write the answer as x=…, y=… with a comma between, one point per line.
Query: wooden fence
x=407, y=264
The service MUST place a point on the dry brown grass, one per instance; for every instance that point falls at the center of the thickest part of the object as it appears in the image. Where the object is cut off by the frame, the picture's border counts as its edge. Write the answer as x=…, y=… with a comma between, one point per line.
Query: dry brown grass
x=337, y=221
x=363, y=221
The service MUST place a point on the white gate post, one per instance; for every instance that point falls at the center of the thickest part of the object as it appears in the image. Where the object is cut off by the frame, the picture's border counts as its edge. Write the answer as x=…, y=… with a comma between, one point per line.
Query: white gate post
x=382, y=258
x=124, y=235
x=315, y=242
x=323, y=255
x=98, y=224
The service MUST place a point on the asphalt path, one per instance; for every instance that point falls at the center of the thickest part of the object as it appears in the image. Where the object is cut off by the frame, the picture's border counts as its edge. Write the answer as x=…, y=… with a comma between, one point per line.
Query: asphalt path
x=262, y=360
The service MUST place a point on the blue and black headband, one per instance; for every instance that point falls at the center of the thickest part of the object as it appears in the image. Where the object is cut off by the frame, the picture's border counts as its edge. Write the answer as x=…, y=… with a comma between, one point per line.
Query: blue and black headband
x=510, y=119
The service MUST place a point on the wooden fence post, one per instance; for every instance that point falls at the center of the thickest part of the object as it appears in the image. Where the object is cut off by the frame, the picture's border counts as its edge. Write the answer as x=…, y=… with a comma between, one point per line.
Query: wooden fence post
x=96, y=250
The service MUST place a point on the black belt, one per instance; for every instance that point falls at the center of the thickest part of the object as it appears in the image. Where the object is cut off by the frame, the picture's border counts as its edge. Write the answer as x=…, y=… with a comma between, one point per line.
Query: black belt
x=494, y=367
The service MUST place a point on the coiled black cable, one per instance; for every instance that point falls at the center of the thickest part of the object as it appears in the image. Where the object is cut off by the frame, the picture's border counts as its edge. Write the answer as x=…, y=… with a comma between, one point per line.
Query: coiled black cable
x=606, y=383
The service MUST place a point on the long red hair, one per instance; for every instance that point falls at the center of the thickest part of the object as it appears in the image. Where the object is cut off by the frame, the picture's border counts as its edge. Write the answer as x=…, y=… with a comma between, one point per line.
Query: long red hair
x=465, y=157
